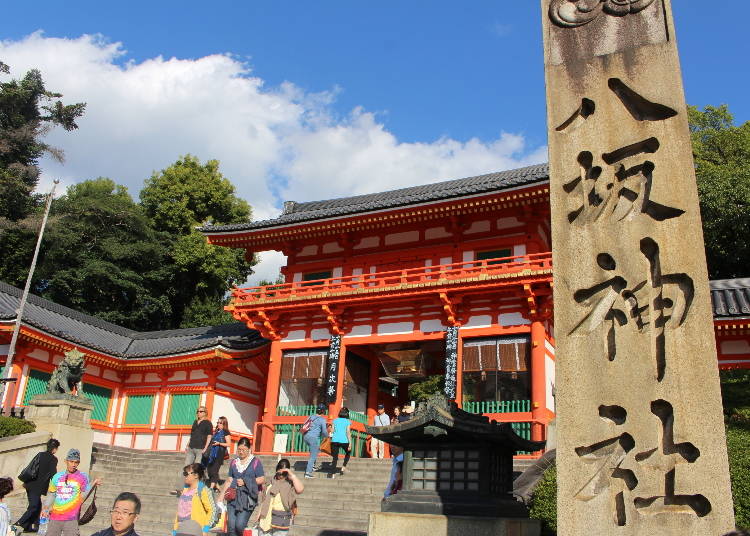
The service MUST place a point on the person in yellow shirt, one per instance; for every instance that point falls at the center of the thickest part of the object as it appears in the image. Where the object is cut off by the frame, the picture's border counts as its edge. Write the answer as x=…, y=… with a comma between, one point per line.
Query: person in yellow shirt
x=196, y=508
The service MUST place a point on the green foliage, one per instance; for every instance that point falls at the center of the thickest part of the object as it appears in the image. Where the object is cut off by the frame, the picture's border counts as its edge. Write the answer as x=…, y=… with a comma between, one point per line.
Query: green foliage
x=544, y=501
x=177, y=200
x=103, y=257
x=738, y=445
x=421, y=391
x=27, y=112
x=722, y=164
x=10, y=426
x=735, y=390
x=189, y=193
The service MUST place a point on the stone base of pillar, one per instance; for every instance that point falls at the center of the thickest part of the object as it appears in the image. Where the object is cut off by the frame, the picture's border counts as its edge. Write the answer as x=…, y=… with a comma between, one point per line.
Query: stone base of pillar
x=389, y=523
x=67, y=418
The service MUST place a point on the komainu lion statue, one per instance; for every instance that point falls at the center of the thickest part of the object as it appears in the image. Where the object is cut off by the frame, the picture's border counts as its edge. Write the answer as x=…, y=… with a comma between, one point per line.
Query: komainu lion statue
x=68, y=373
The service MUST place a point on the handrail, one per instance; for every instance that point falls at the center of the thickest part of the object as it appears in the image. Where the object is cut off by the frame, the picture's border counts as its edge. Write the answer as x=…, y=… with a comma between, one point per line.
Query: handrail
x=435, y=275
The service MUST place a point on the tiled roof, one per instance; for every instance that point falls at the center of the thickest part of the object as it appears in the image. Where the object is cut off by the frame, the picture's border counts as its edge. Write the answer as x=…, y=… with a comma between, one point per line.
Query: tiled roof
x=96, y=334
x=731, y=298
x=440, y=191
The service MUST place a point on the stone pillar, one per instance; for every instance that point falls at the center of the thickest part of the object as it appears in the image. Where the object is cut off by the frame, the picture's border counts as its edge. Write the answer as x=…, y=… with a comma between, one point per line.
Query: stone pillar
x=641, y=446
x=67, y=418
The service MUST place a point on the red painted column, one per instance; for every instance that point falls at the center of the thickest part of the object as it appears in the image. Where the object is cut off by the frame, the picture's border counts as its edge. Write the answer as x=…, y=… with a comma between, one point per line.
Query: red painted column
x=538, y=380
x=272, y=395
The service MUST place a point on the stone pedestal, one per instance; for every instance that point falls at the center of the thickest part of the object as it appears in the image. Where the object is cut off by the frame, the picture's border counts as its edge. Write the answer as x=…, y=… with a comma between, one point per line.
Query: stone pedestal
x=67, y=418
x=389, y=523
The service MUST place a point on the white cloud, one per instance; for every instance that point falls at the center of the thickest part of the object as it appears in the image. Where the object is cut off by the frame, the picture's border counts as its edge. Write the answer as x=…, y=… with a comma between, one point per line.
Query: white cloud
x=273, y=143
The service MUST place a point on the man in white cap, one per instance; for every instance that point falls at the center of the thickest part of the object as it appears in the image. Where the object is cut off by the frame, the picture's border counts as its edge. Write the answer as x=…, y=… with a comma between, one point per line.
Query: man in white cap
x=67, y=490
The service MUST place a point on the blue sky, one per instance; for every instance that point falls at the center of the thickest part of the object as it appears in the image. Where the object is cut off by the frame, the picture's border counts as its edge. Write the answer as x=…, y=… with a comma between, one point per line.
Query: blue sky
x=428, y=68
x=312, y=100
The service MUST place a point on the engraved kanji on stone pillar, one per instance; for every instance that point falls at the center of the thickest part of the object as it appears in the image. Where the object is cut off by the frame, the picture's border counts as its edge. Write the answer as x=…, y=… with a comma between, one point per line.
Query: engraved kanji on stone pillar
x=641, y=447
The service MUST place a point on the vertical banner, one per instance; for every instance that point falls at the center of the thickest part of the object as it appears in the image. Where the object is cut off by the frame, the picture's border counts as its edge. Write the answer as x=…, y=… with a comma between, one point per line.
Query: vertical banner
x=451, y=358
x=641, y=446
x=332, y=370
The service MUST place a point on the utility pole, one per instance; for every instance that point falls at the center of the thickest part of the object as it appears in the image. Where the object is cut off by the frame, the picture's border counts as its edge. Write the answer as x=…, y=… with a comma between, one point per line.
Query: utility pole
x=22, y=304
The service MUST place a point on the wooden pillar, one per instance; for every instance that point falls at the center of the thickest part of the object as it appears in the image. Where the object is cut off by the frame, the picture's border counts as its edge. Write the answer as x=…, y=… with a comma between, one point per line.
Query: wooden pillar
x=213, y=374
x=163, y=376
x=372, y=389
x=272, y=394
x=538, y=380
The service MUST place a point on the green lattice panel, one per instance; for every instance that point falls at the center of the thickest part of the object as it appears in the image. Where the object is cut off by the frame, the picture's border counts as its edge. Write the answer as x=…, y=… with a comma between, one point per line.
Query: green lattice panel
x=100, y=396
x=139, y=409
x=183, y=408
x=36, y=384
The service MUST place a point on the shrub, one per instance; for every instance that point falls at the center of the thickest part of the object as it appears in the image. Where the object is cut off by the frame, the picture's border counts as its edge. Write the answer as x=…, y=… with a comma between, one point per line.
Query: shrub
x=11, y=426
x=738, y=445
x=544, y=502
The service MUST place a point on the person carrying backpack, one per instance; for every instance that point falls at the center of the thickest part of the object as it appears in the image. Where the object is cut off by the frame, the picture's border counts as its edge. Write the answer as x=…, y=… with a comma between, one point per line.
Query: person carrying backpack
x=313, y=431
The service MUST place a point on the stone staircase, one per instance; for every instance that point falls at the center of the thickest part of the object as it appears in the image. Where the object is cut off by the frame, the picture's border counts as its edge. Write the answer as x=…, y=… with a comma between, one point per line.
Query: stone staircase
x=328, y=507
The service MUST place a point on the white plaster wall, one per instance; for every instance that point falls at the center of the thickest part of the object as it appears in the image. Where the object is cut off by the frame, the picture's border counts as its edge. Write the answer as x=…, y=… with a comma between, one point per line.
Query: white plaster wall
x=179, y=376
x=110, y=375
x=122, y=440
x=22, y=385
x=360, y=331
x=356, y=271
x=296, y=335
x=401, y=238
x=240, y=415
x=297, y=277
x=101, y=437
x=395, y=328
x=197, y=374
x=41, y=355
x=735, y=347
x=446, y=260
x=236, y=379
x=312, y=249
x=134, y=378
x=332, y=247
x=252, y=367
x=93, y=370
x=513, y=319
x=505, y=223
x=57, y=359
x=468, y=256
x=337, y=272
x=368, y=242
x=478, y=321
x=320, y=333
x=519, y=250
x=433, y=324
x=481, y=226
x=151, y=377
x=436, y=232
x=143, y=441
x=167, y=442
x=4, y=349
x=549, y=347
x=549, y=380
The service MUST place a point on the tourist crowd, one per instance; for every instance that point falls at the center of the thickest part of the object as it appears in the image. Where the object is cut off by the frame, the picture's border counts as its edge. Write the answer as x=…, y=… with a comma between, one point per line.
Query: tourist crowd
x=245, y=499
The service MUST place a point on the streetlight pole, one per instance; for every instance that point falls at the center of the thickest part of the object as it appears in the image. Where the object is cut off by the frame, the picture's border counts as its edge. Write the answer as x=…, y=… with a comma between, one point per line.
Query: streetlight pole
x=22, y=304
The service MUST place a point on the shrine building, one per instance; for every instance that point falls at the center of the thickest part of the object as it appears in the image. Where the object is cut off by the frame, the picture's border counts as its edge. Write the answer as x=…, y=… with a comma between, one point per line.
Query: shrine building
x=448, y=282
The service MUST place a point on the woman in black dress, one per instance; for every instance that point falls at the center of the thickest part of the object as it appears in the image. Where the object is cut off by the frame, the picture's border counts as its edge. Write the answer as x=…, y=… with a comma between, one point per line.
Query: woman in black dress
x=37, y=487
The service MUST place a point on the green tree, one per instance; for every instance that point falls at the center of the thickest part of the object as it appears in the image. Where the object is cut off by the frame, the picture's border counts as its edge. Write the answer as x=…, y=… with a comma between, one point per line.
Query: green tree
x=27, y=112
x=103, y=257
x=178, y=199
x=722, y=164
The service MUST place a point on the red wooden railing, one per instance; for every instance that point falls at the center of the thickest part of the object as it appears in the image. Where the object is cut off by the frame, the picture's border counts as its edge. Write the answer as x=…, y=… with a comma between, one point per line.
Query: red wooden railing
x=395, y=279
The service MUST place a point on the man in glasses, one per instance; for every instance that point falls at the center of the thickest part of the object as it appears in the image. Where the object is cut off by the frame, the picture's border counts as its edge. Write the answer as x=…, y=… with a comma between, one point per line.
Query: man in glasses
x=200, y=439
x=124, y=514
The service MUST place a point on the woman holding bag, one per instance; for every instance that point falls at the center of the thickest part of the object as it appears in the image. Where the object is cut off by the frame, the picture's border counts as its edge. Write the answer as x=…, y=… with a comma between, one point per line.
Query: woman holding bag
x=240, y=491
x=196, y=509
x=219, y=446
x=278, y=503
